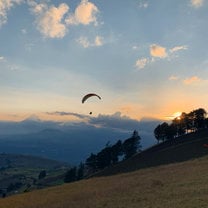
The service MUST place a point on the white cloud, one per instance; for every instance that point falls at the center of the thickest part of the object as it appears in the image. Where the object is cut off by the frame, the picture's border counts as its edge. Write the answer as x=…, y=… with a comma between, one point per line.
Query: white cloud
x=135, y=47
x=173, y=77
x=49, y=19
x=178, y=48
x=197, y=3
x=84, y=41
x=52, y=21
x=24, y=31
x=98, y=41
x=143, y=4
x=192, y=80
x=141, y=63
x=158, y=51
x=85, y=13
x=2, y=58
x=36, y=8
x=5, y=6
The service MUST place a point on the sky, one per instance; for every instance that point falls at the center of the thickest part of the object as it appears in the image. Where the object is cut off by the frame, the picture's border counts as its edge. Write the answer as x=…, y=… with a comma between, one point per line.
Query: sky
x=145, y=58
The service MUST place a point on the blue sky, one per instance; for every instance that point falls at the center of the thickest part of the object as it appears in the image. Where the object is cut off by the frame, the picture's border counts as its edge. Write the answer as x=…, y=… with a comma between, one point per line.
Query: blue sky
x=144, y=58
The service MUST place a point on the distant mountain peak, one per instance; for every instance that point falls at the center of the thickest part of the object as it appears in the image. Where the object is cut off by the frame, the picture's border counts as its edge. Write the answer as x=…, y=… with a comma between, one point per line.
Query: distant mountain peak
x=33, y=117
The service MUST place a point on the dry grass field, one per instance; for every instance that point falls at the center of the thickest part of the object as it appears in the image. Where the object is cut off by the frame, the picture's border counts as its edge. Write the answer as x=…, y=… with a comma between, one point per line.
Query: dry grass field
x=179, y=185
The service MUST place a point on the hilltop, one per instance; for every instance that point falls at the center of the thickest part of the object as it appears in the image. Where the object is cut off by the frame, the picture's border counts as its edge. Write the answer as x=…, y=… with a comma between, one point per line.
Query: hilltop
x=186, y=147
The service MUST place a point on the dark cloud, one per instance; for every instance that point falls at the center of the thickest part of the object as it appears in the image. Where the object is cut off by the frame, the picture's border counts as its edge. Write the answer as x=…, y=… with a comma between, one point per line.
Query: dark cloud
x=62, y=113
x=116, y=121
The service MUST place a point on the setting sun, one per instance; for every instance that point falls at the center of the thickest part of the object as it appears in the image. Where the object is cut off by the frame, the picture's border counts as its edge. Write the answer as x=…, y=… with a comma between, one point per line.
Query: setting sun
x=176, y=115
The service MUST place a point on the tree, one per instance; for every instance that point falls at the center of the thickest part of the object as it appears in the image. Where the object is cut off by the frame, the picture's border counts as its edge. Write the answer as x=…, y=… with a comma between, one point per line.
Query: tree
x=199, y=118
x=181, y=125
x=104, y=158
x=71, y=175
x=171, y=131
x=42, y=174
x=91, y=162
x=132, y=145
x=157, y=133
x=80, y=171
x=116, y=151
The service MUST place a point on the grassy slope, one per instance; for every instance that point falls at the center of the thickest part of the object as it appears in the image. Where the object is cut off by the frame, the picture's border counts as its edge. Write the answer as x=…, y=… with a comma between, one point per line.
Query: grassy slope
x=181, y=149
x=174, y=186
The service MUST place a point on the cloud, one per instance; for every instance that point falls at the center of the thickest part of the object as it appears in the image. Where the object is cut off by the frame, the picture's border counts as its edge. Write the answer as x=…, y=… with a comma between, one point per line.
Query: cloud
x=191, y=80
x=85, y=14
x=24, y=31
x=116, y=121
x=141, y=63
x=5, y=6
x=178, y=48
x=62, y=113
x=83, y=41
x=2, y=58
x=173, y=77
x=197, y=3
x=50, y=19
x=143, y=4
x=135, y=47
x=36, y=8
x=158, y=51
x=98, y=41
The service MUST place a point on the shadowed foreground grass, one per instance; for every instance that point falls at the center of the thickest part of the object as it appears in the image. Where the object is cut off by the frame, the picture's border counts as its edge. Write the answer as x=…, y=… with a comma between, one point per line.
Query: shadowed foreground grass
x=180, y=185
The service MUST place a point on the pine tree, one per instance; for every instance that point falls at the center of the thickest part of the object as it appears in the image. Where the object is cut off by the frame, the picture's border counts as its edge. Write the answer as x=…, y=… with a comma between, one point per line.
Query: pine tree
x=132, y=145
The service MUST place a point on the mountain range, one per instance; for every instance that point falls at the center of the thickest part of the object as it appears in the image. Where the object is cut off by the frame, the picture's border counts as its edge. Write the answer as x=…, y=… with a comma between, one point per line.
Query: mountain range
x=67, y=141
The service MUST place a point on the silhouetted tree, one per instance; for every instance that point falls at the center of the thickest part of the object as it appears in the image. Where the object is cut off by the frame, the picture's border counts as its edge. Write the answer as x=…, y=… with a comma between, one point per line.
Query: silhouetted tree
x=42, y=174
x=206, y=122
x=116, y=151
x=171, y=131
x=104, y=158
x=80, y=171
x=91, y=162
x=181, y=125
x=132, y=145
x=157, y=133
x=199, y=118
x=71, y=175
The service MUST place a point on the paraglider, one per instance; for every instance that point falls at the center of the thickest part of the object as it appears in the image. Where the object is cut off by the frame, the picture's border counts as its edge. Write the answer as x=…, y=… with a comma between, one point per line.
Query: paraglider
x=88, y=96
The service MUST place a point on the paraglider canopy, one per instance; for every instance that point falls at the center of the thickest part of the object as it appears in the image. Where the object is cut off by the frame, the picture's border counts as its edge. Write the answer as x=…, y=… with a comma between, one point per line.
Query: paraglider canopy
x=89, y=95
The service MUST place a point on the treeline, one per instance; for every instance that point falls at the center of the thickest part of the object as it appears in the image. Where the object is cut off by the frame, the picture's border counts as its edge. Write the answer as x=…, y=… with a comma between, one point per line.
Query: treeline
x=183, y=124
x=109, y=155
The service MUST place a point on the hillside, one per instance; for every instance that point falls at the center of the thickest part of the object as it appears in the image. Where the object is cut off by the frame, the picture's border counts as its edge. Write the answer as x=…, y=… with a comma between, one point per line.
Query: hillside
x=20, y=173
x=28, y=161
x=180, y=149
x=173, y=186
